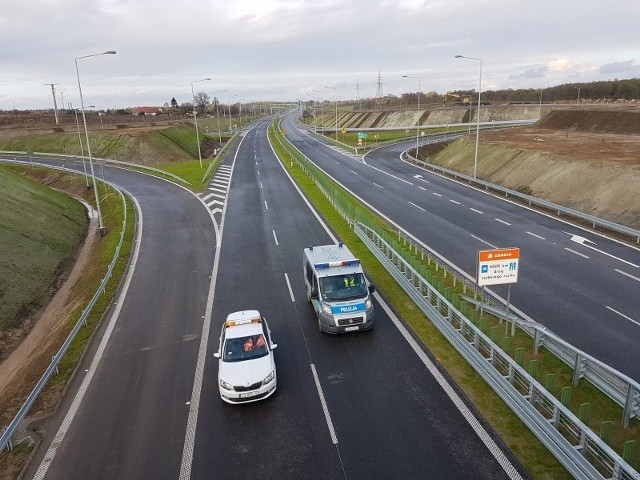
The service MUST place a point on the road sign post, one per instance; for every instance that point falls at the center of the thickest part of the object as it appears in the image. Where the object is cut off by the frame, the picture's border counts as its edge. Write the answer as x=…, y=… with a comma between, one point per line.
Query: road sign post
x=497, y=267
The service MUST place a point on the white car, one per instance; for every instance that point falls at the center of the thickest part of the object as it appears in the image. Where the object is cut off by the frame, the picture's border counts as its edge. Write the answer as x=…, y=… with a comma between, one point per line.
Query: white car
x=246, y=369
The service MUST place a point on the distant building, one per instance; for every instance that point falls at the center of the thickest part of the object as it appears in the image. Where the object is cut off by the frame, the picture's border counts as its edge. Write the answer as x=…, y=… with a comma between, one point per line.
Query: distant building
x=146, y=111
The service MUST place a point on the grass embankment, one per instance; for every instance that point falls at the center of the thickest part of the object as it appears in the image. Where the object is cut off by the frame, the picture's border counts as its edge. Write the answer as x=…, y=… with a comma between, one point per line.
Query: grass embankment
x=40, y=230
x=548, y=369
x=102, y=254
x=146, y=145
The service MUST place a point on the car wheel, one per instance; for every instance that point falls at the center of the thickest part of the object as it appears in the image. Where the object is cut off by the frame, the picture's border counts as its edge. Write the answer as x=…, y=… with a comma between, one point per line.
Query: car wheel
x=320, y=325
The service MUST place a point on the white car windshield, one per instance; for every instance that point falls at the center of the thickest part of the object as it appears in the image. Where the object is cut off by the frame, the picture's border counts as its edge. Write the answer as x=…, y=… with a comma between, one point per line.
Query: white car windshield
x=244, y=348
x=343, y=287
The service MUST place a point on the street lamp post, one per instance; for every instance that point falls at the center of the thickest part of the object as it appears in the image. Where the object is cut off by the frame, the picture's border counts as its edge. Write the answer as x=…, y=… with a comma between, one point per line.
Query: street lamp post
x=418, y=121
x=86, y=133
x=540, y=107
x=475, y=161
x=578, y=101
x=335, y=99
x=84, y=165
x=195, y=115
x=229, y=100
x=215, y=95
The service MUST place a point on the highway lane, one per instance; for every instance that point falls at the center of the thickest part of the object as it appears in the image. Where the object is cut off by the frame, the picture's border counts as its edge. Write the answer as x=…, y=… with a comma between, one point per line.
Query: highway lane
x=586, y=291
x=381, y=413
x=131, y=422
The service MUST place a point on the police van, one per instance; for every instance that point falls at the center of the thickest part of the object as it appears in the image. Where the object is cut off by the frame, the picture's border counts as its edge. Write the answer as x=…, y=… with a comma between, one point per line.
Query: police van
x=337, y=289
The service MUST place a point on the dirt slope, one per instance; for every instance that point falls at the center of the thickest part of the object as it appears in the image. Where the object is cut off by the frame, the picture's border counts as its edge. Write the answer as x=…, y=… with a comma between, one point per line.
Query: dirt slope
x=587, y=160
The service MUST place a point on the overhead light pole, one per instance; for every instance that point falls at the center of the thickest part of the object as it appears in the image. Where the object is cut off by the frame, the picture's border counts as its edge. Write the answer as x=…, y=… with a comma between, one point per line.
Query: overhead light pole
x=418, y=121
x=195, y=118
x=215, y=95
x=335, y=99
x=84, y=165
x=578, y=101
x=540, y=107
x=55, y=105
x=86, y=133
x=229, y=100
x=475, y=161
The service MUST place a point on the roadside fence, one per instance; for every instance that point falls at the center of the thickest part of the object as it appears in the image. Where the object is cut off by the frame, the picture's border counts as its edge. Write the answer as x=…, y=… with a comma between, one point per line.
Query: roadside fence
x=9, y=431
x=575, y=445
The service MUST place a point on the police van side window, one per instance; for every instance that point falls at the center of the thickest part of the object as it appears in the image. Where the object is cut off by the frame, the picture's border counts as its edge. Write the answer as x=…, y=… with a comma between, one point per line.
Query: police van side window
x=309, y=272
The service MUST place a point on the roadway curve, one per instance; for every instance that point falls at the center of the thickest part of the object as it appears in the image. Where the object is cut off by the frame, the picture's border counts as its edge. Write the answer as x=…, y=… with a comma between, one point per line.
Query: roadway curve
x=357, y=406
x=588, y=293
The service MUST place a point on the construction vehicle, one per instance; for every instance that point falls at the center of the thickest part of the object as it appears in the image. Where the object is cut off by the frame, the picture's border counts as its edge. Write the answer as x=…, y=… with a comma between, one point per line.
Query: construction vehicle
x=459, y=99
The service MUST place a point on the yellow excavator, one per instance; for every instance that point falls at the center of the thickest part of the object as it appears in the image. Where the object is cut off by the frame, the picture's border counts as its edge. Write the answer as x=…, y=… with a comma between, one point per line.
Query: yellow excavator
x=459, y=99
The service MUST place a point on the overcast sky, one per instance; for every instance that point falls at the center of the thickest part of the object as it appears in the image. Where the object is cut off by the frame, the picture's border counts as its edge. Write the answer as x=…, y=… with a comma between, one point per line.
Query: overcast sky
x=291, y=49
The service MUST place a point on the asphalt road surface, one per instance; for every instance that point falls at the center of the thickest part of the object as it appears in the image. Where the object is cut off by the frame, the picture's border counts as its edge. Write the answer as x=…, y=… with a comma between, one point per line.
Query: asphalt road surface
x=357, y=406
x=582, y=286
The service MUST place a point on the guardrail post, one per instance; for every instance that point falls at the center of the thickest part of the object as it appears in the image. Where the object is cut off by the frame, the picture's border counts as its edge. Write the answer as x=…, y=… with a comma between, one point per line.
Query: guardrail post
x=578, y=367
x=538, y=340
x=631, y=405
x=53, y=359
x=9, y=446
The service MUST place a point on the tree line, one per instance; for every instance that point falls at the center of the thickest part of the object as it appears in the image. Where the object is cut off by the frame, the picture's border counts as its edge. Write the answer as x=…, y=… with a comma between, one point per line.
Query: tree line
x=587, y=92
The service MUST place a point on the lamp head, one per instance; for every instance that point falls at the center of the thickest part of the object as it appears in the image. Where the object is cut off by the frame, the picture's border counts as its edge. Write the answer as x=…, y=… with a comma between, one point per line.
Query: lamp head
x=110, y=52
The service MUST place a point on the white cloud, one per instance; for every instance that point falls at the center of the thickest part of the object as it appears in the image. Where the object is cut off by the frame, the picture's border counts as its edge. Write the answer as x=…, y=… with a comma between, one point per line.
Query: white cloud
x=271, y=48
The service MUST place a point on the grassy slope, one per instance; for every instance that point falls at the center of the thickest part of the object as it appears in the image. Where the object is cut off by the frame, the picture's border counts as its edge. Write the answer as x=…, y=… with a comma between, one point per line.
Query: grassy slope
x=144, y=145
x=40, y=230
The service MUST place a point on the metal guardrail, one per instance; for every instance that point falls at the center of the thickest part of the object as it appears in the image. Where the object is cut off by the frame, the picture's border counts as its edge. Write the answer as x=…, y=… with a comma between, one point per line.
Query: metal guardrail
x=617, y=386
x=456, y=131
x=574, y=444
x=9, y=431
x=30, y=155
x=530, y=200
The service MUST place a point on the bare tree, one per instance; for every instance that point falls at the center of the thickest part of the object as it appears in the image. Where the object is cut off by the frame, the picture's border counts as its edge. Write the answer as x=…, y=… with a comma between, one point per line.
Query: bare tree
x=201, y=101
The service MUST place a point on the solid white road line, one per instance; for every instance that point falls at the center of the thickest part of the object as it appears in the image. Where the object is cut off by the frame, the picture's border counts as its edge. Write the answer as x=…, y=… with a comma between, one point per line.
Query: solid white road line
x=484, y=436
x=75, y=405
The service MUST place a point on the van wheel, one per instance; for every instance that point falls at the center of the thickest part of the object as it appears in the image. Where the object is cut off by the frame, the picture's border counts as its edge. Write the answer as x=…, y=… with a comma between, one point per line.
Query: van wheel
x=320, y=325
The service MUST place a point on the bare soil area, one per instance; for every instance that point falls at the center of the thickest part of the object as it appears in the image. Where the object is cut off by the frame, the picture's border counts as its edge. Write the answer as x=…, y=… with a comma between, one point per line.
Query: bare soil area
x=588, y=147
x=588, y=160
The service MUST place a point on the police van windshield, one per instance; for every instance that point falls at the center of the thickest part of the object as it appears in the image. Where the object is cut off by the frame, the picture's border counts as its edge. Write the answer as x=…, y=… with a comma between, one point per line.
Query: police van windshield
x=343, y=287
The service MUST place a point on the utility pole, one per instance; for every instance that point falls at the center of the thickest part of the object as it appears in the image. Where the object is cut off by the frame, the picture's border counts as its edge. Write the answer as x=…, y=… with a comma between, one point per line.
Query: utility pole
x=379, y=89
x=55, y=104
